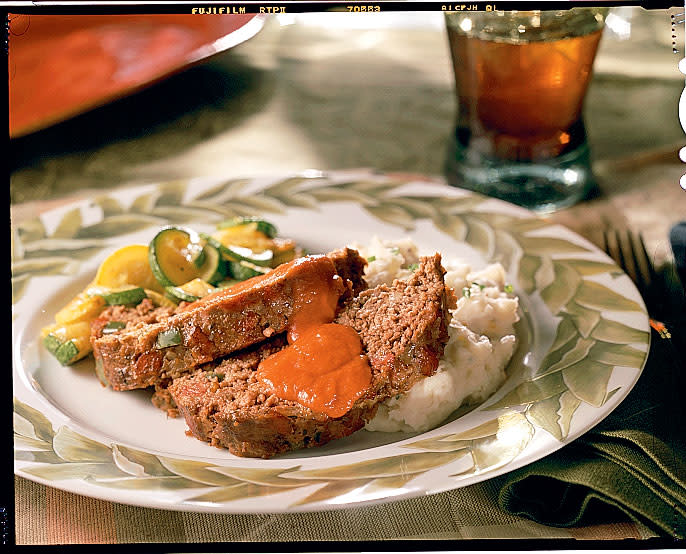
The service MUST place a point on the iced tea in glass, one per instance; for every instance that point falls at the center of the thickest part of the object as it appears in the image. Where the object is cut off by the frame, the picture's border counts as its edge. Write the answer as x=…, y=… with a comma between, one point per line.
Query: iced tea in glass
x=521, y=78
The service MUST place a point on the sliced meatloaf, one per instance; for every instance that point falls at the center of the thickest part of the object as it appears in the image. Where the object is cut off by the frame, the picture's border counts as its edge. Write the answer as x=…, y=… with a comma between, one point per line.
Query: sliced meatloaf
x=403, y=329
x=219, y=324
x=147, y=313
x=350, y=265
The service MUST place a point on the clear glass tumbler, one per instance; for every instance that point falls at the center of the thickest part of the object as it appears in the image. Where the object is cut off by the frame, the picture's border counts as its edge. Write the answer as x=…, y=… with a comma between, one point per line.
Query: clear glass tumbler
x=520, y=80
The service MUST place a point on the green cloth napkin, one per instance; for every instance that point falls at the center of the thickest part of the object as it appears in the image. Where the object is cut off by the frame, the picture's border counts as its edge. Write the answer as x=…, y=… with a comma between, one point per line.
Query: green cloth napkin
x=634, y=461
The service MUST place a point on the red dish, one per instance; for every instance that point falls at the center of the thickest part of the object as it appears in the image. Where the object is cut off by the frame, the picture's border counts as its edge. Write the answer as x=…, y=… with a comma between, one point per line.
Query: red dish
x=60, y=66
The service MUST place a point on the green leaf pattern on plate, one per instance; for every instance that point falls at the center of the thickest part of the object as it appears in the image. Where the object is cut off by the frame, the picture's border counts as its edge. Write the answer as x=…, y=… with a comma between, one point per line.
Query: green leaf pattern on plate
x=67, y=454
x=69, y=225
x=576, y=370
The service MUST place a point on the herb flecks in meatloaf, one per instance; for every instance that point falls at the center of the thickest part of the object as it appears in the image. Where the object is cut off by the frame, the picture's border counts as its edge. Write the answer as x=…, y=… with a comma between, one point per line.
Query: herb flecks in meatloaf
x=145, y=312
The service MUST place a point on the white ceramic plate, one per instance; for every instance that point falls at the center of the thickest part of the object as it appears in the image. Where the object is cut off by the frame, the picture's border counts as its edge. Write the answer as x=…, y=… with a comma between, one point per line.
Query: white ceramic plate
x=584, y=337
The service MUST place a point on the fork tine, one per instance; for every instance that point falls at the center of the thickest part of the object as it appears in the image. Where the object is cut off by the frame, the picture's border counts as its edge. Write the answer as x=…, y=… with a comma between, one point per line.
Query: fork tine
x=622, y=257
x=639, y=275
x=606, y=244
x=629, y=252
x=654, y=293
x=610, y=246
x=652, y=274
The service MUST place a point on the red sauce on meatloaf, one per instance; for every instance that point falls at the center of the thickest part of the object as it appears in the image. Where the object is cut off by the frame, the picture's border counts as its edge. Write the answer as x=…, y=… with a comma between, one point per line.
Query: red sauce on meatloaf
x=315, y=298
x=317, y=272
x=324, y=369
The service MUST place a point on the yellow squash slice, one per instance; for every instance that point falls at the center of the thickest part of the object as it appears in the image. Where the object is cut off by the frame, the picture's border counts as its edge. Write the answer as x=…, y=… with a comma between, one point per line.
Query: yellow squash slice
x=127, y=266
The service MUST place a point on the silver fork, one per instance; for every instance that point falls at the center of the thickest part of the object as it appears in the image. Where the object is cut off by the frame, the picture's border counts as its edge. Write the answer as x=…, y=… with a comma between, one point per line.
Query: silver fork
x=664, y=298
x=629, y=252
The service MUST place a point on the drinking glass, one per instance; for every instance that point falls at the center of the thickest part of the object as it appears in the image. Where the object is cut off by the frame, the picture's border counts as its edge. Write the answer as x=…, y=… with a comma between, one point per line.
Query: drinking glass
x=520, y=81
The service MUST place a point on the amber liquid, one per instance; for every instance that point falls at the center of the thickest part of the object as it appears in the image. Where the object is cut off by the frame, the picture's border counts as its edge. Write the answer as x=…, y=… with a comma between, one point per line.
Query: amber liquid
x=521, y=101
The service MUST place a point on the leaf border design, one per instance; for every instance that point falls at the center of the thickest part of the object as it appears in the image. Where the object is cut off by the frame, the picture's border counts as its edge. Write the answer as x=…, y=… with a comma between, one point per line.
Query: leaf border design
x=67, y=454
x=588, y=344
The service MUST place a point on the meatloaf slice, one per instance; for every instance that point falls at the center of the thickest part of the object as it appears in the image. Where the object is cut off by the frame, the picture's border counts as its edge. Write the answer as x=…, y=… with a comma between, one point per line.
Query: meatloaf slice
x=403, y=329
x=219, y=324
x=350, y=265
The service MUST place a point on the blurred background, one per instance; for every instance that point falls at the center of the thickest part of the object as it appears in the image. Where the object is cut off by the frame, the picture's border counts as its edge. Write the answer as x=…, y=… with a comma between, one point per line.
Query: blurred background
x=340, y=90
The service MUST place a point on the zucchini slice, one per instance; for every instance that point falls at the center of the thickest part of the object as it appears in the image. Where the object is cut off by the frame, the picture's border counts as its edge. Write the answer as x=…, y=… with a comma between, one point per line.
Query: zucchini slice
x=191, y=291
x=159, y=299
x=243, y=254
x=284, y=250
x=113, y=327
x=198, y=287
x=172, y=255
x=67, y=352
x=177, y=294
x=264, y=227
x=213, y=268
x=68, y=343
x=240, y=253
x=243, y=270
x=246, y=236
x=199, y=259
x=132, y=296
x=52, y=343
x=178, y=255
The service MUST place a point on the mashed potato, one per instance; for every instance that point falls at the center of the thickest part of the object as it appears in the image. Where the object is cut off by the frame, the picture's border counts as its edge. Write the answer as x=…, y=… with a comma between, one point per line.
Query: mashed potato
x=481, y=338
